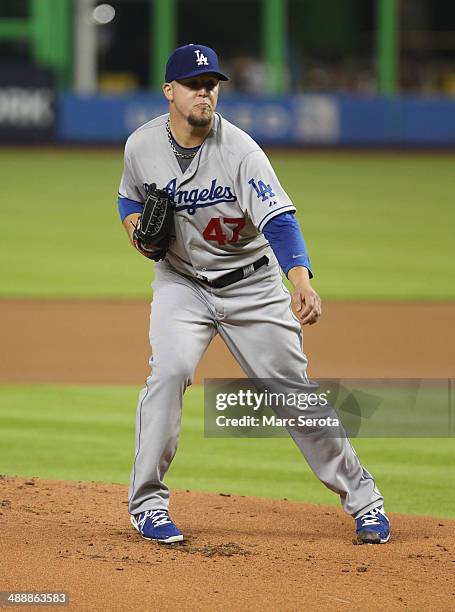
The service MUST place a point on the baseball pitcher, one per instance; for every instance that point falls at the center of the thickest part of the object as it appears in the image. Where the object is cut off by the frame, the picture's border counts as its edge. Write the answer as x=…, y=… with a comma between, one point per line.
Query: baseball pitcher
x=200, y=197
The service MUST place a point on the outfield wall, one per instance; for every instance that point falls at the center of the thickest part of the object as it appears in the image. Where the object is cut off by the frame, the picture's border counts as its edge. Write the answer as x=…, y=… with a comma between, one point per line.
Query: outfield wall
x=294, y=121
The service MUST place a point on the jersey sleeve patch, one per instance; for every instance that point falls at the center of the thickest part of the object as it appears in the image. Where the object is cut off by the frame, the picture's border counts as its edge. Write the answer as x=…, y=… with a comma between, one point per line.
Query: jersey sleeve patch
x=263, y=191
x=258, y=189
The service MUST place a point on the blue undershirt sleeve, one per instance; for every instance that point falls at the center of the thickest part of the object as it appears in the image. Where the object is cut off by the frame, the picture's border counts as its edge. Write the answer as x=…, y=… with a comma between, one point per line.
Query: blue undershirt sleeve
x=286, y=239
x=127, y=207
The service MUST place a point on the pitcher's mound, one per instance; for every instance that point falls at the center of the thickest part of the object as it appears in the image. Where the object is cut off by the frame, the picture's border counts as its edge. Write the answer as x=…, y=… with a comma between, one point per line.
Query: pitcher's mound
x=240, y=553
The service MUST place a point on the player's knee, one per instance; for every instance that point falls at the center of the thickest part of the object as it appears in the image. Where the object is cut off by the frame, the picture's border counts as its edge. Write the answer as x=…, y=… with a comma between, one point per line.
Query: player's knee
x=175, y=370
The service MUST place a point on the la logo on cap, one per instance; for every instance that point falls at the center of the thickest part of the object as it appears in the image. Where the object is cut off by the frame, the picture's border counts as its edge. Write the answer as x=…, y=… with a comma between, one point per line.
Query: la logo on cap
x=201, y=58
x=191, y=61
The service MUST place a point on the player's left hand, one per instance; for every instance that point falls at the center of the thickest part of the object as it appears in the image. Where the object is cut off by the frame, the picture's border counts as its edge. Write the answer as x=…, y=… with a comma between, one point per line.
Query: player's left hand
x=306, y=305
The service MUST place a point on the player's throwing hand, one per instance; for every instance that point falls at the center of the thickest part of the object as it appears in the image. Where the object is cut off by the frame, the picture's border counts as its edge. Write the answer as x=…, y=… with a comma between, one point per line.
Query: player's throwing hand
x=305, y=302
x=306, y=305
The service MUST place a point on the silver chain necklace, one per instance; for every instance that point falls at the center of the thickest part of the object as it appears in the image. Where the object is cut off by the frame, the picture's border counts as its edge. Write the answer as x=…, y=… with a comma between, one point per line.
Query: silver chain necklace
x=174, y=150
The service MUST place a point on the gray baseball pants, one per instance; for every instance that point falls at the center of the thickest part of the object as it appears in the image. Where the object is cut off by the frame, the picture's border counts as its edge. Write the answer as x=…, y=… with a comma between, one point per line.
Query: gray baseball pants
x=255, y=320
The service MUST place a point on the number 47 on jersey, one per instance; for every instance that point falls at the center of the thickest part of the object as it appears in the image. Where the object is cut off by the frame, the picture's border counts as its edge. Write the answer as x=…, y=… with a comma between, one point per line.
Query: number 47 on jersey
x=214, y=230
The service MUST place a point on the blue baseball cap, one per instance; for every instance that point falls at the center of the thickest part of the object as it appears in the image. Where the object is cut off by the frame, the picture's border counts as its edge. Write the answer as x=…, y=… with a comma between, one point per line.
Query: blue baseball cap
x=190, y=61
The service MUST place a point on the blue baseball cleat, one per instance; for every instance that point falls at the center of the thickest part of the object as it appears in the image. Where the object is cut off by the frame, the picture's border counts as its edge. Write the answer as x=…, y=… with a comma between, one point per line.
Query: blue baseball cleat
x=373, y=527
x=156, y=525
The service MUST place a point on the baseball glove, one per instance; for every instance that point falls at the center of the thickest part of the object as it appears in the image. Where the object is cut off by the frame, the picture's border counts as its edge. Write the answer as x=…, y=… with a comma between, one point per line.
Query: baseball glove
x=152, y=233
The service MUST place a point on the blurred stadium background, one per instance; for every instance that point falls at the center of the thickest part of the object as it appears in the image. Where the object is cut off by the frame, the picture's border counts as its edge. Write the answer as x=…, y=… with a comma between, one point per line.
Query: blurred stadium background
x=304, y=72
x=367, y=82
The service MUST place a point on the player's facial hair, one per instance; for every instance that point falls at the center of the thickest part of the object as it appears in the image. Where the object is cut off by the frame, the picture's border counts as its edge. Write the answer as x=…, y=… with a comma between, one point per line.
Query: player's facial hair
x=200, y=120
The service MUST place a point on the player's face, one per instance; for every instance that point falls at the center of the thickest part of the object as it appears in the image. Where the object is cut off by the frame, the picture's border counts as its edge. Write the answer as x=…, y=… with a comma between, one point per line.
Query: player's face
x=195, y=98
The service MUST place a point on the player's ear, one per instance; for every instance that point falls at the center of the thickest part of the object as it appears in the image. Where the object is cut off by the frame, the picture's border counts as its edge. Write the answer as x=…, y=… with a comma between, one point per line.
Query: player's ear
x=168, y=91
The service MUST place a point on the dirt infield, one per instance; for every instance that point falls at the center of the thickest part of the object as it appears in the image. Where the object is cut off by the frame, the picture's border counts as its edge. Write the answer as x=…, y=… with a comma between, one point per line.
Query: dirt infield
x=240, y=554
x=105, y=342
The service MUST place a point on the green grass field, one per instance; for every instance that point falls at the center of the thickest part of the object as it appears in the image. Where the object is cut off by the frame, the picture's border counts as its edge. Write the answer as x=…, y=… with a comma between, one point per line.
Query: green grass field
x=376, y=225
x=86, y=433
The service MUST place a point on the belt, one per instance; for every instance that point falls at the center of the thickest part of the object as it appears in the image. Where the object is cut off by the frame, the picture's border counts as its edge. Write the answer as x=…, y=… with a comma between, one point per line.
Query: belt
x=237, y=275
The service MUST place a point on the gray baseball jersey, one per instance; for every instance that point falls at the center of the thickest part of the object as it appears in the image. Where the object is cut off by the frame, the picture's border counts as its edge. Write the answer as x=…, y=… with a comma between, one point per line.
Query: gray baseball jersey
x=223, y=200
